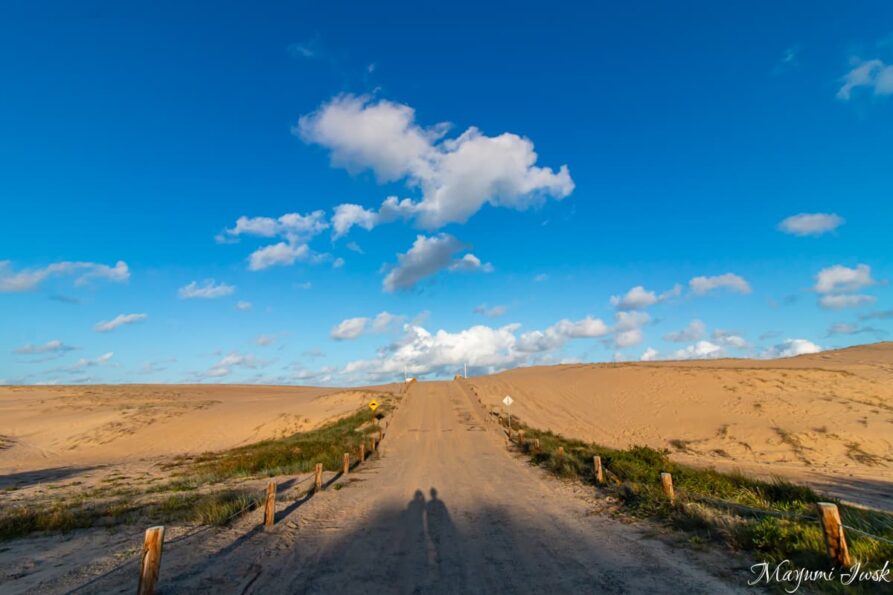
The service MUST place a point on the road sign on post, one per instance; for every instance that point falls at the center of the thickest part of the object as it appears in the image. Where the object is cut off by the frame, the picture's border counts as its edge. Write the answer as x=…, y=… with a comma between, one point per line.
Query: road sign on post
x=507, y=401
x=373, y=405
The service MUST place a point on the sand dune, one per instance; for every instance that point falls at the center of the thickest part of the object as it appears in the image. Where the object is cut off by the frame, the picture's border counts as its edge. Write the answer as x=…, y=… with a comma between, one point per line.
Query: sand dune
x=98, y=425
x=825, y=419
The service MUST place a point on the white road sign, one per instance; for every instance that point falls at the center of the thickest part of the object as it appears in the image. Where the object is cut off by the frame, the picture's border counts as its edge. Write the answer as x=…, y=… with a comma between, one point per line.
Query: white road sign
x=508, y=401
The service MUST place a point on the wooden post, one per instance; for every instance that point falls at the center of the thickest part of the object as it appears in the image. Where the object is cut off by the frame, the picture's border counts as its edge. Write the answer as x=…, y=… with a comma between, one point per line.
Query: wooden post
x=667, y=480
x=536, y=445
x=362, y=452
x=150, y=564
x=835, y=541
x=318, y=476
x=345, y=465
x=599, y=473
x=560, y=452
x=270, y=505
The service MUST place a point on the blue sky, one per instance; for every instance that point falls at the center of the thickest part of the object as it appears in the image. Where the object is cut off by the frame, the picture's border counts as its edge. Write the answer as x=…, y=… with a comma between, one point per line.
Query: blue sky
x=197, y=193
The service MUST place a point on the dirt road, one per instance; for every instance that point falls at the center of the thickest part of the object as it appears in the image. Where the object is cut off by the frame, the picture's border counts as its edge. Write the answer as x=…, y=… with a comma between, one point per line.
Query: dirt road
x=444, y=509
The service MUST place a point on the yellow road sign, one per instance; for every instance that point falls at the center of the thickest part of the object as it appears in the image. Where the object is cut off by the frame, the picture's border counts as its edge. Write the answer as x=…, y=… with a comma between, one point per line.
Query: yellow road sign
x=373, y=404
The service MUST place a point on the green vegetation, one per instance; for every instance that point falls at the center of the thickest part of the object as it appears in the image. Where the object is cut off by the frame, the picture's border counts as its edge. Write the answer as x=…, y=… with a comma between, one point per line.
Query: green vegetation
x=776, y=520
x=186, y=497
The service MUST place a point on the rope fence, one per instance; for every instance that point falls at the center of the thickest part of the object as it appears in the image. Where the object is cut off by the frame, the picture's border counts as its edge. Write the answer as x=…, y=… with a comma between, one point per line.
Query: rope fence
x=828, y=514
x=149, y=557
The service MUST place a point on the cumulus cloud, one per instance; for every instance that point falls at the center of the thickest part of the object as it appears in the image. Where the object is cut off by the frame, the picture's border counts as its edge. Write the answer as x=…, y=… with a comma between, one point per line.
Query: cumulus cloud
x=456, y=176
x=649, y=355
x=29, y=279
x=559, y=333
x=693, y=332
x=352, y=328
x=838, y=279
x=703, y=285
x=811, y=224
x=428, y=256
x=208, y=290
x=293, y=230
x=119, y=320
x=231, y=361
x=730, y=339
x=700, y=350
x=50, y=347
x=281, y=254
x=494, y=312
x=628, y=328
x=790, y=348
x=839, y=302
x=873, y=74
x=639, y=298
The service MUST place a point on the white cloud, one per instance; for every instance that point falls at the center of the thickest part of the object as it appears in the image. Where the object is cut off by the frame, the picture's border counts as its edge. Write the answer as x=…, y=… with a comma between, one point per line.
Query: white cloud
x=730, y=339
x=265, y=340
x=839, y=302
x=494, y=312
x=29, y=279
x=208, y=290
x=649, y=355
x=55, y=346
x=354, y=247
x=90, y=363
x=119, y=320
x=470, y=263
x=558, y=334
x=350, y=328
x=428, y=256
x=790, y=348
x=842, y=328
x=225, y=365
x=338, y=263
x=456, y=176
x=702, y=285
x=838, y=278
x=292, y=225
x=628, y=328
x=811, y=224
x=693, y=332
x=639, y=298
x=243, y=306
x=700, y=350
x=281, y=254
x=873, y=74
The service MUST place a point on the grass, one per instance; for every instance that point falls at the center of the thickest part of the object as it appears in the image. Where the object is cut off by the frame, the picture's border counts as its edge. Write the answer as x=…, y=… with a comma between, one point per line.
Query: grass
x=184, y=497
x=633, y=476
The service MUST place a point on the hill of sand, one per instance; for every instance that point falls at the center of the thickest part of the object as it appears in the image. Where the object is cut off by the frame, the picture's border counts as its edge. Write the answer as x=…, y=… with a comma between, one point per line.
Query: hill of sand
x=42, y=427
x=823, y=419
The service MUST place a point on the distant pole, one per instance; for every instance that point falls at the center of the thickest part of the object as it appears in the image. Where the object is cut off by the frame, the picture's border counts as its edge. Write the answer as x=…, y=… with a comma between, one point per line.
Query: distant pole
x=666, y=481
x=466, y=370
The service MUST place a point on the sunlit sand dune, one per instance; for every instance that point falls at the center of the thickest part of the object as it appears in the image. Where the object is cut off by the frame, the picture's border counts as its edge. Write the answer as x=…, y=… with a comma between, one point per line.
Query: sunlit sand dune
x=825, y=419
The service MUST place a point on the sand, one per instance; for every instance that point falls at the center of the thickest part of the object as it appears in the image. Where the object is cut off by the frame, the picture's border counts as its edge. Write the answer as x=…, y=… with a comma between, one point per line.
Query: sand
x=83, y=426
x=444, y=507
x=823, y=419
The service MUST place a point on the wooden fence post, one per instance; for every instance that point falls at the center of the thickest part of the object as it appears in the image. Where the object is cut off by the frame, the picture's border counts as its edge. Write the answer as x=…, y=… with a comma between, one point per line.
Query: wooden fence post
x=345, y=464
x=362, y=452
x=667, y=481
x=599, y=473
x=270, y=505
x=150, y=564
x=835, y=541
x=318, y=476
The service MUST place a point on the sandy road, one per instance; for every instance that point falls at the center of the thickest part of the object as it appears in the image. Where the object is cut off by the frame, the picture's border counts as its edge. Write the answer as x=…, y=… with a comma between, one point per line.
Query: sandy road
x=444, y=509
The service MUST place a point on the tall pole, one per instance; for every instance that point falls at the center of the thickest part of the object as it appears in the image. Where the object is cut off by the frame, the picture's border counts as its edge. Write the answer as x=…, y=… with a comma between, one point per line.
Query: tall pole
x=466, y=370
